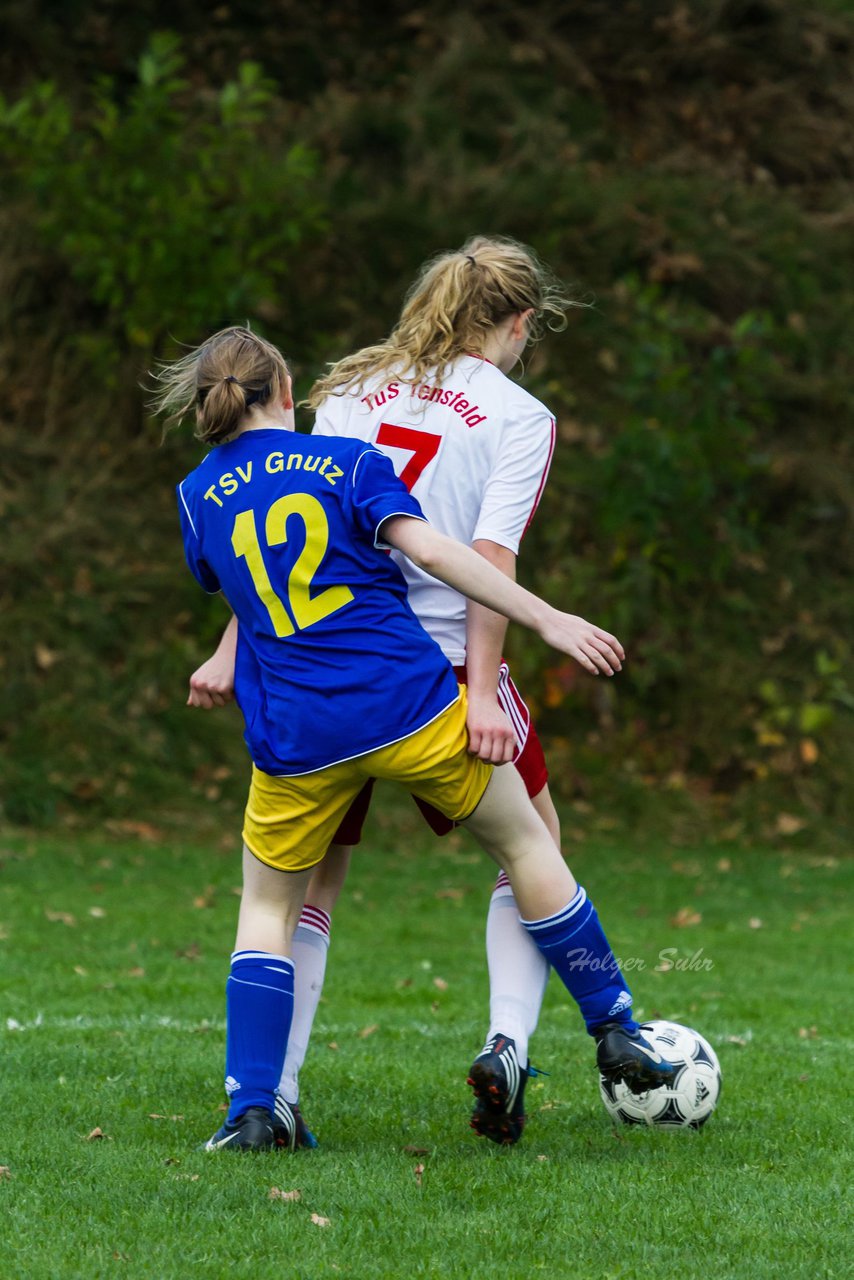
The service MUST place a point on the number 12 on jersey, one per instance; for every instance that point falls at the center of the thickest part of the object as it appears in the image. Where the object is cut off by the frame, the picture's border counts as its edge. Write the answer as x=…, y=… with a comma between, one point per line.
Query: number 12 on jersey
x=305, y=608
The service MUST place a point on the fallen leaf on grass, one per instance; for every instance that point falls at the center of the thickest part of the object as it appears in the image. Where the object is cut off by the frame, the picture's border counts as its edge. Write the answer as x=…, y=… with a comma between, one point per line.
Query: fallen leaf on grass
x=276, y=1194
x=129, y=827
x=332, y=1045
x=154, y=1115
x=739, y=1040
x=418, y=1171
x=97, y=913
x=80, y=971
x=455, y=895
x=205, y=898
x=186, y=1177
x=96, y=1133
x=808, y=1033
x=5, y=1171
x=189, y=953
x=60, y=917
x=754, y=922
x=542, y=1158
x=368, y=1031
x=440, y=984
x=685, y=917
x=724, y=864
x=138, y=972
x=801, y=1080
x=320, y=1222
x=417, y=1151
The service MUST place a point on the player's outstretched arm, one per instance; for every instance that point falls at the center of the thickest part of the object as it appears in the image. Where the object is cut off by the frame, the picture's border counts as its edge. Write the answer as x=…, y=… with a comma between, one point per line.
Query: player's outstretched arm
x=469, y=573
x=212, y=685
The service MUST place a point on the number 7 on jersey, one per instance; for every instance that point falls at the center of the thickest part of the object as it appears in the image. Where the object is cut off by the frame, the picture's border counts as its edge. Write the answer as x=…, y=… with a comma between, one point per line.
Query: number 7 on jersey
x=423, y=446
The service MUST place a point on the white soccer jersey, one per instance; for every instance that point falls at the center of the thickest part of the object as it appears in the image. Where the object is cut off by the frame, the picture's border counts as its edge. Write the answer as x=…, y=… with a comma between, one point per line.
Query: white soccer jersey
x=474, y=450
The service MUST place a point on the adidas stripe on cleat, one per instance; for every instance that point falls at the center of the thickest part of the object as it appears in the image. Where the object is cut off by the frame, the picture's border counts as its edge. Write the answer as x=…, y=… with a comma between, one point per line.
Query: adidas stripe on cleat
x=623, y=1054
x=499, y=1088
x=290, y=1130
x=253, y=1131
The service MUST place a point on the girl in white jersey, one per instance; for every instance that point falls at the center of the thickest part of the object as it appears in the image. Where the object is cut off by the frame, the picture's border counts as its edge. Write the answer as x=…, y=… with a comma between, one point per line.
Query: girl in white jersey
x=474, y=448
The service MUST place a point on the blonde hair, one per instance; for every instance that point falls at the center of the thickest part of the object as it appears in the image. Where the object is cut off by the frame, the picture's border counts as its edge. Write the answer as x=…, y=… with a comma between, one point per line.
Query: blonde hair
x=221, y=380
x=456, y=299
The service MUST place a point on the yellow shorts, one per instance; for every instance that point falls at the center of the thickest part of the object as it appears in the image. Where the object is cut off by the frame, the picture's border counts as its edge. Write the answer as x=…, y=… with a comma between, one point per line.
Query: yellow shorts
x=289, y=822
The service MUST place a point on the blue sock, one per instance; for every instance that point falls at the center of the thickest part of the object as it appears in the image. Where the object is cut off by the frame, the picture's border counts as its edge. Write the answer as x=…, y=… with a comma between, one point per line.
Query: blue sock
x=575, y=945
x=259, y=1002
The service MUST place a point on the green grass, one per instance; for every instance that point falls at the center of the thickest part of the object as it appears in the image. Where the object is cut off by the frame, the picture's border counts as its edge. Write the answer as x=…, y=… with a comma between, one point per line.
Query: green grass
x=112, y=967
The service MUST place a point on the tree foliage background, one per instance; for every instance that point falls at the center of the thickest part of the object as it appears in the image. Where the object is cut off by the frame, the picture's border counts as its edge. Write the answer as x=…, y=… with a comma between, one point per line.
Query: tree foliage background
x=687, y=166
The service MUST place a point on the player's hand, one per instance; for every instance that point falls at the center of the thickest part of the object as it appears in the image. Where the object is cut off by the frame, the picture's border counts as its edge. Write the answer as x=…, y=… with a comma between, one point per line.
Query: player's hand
x=595, y=650
x=491, y=736
x=212, y=685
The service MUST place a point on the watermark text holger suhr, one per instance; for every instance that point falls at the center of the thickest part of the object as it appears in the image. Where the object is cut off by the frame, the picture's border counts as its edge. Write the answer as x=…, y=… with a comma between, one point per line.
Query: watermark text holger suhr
x=668, y=958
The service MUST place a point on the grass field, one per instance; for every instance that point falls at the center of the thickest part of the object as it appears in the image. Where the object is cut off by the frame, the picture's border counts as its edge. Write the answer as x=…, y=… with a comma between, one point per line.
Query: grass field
x=113, y=956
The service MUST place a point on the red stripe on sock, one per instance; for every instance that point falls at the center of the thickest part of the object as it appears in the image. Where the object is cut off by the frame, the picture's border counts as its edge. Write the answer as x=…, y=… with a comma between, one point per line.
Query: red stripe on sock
x=316, y=918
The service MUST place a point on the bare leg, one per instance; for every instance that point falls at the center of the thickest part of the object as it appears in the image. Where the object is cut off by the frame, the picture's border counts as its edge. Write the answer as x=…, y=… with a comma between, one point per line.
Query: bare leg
x=544, y=806
x=328, y=877
x=270, y=906
x=514, y=835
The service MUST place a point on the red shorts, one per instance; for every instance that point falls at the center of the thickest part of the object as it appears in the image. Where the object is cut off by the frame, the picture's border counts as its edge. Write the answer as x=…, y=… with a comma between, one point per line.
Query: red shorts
x=529, y=760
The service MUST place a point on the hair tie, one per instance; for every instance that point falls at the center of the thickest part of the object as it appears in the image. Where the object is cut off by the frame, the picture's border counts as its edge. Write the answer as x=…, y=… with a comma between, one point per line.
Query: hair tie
x=230, y=378
x=471, y=259
x=256, y=397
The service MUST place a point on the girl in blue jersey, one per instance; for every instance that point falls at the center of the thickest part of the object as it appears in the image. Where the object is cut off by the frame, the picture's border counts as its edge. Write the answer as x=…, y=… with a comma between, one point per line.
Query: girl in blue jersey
x=474, y=448
x=293, y=530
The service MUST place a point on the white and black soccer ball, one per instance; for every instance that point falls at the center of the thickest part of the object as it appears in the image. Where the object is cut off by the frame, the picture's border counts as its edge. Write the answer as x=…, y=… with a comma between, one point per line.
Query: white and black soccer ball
x=689, y=1099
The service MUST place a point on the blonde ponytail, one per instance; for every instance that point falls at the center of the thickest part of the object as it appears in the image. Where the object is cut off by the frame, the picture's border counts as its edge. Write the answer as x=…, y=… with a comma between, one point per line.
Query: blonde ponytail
x=450, y=310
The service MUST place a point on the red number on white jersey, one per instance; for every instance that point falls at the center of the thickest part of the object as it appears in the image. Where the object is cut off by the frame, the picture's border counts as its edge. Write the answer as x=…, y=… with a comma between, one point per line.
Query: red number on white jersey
x=422, y=444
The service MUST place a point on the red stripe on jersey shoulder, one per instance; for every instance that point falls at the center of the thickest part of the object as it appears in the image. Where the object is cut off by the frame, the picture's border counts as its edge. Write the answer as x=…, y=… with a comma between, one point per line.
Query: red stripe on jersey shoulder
x=545, y=477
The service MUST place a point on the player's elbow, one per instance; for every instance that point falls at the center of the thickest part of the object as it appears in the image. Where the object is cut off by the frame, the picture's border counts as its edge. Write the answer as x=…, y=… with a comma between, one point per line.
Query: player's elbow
x=426, y=553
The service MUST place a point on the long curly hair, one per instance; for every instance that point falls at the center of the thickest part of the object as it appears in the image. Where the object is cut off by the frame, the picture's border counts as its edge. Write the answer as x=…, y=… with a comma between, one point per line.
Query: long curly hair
x=456, y=300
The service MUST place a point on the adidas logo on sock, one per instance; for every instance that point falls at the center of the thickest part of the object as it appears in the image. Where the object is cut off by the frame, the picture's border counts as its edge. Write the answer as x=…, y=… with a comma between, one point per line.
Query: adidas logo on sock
x=623, y=1001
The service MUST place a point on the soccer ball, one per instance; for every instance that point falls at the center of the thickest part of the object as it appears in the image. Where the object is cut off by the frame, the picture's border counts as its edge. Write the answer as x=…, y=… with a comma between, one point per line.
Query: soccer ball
x=689, y=1099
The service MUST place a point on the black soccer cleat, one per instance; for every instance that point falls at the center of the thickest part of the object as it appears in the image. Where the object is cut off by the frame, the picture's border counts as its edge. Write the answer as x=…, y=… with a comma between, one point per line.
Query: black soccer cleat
x=626, y=1055
x=499, y=1089
x=290, y=1130
x=253, y=1131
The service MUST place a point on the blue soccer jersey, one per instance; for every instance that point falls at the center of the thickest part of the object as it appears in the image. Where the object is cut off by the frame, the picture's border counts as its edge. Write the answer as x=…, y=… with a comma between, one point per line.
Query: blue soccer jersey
x=331, y=661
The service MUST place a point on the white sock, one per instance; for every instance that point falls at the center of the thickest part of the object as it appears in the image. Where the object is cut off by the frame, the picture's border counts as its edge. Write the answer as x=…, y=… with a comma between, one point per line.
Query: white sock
x=309, y=950
x=518, y=972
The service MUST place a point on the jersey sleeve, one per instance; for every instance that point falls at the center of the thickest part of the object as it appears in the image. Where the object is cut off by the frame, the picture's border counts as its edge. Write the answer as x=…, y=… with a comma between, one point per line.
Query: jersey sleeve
x=378, y=494
x=517, y=481
x=196, y=563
